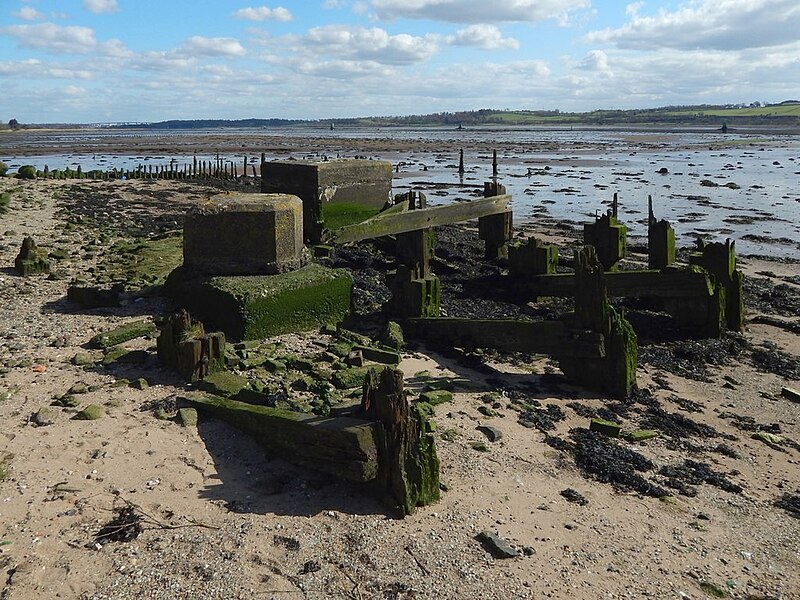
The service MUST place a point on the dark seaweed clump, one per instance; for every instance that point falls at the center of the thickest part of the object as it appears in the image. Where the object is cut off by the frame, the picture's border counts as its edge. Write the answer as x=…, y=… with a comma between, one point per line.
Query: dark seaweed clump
x=610, y=462
x=790, y=503
x=773, y=360
x=762, y=296
x=124, y=527
x=694, y=473
x=574, y=496
x=691, y=358
x=543, y=419
x=676, y=425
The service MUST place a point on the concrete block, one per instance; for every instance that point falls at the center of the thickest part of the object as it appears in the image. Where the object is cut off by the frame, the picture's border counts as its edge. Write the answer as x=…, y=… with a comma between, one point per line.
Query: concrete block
x=335, y=193
x=244, y=234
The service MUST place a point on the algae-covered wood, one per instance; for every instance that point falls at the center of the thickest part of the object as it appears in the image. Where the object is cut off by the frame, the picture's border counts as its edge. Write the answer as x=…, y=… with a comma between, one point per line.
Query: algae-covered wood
x=545, y=337
x=342, y=446
x=392, y=223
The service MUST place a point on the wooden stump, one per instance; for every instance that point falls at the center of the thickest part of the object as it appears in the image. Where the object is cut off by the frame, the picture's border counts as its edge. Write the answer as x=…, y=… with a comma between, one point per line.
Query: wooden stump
x=408, y=471
x=184, y=346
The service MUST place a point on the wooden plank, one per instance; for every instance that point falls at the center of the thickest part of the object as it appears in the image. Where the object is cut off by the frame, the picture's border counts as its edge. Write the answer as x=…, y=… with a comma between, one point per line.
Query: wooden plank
x=668, y=283
x=343, y=446
x=546, y=337
x=388, y=223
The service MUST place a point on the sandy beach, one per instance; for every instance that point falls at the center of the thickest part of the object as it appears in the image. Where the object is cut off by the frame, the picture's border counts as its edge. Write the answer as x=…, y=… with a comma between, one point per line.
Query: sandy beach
x=215, y=516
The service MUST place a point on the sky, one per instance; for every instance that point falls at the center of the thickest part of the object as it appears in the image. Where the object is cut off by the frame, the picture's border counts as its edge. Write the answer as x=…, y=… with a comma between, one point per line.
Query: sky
x=93, y=61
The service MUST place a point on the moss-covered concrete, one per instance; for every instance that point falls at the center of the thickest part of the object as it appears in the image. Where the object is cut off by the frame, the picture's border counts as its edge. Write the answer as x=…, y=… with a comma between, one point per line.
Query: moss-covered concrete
x=343, y=191
x=251, y=307
x=244, y=234
x=123, y=333
x=342, y=446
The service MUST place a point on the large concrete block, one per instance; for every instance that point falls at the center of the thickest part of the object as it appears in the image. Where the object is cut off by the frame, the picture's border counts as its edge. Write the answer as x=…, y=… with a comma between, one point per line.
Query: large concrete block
x=334, y=192
x=254, y=307
x=244, y=234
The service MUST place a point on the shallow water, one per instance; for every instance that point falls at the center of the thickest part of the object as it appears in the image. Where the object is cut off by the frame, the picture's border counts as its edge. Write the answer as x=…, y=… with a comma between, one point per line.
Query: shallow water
x=553, y=175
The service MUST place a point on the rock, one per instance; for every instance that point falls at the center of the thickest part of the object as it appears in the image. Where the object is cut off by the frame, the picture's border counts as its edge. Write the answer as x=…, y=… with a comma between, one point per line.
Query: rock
x=67, y=401
x=82, y=359
x=492, y=433
x=392, y=336
x=139, y=384
x=90, y=413
x=479, y=446
x=640, y=435
x=487, y=411
x=124, y=333
x=352, y=377
x=436, y=397
x=354, y=359
x=608, y=428
x=574, y=496
x=78, y=388
x=45, y=416
x=496, y=546
x=186, y=417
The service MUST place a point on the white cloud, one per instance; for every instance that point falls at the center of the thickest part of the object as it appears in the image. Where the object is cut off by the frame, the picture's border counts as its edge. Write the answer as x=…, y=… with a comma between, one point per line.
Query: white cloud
x=709, y=24
x=478, y=11
x=487, y=37
x=263, y=13
x=361, y=44
x=217, y=46
x=101, y=6
x=597, y=61
x=53, y=38
x=28, y=13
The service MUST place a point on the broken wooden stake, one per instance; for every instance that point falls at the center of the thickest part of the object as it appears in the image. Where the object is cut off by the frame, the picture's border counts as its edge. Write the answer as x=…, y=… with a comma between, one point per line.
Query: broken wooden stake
x=184, y=346
x=408, y=470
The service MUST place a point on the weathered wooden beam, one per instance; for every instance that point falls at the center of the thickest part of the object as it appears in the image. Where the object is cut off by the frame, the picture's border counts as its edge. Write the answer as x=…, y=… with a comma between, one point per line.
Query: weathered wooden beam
x=342, y=446
x=671, y=282
x=392, y=223
x=545, y=337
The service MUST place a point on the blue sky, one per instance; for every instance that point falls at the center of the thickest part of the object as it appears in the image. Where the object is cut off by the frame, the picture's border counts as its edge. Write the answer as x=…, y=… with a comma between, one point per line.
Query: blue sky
x=142, y=60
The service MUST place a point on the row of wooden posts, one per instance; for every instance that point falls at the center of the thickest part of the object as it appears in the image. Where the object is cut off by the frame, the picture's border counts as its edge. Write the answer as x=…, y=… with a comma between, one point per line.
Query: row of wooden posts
x=217, y=168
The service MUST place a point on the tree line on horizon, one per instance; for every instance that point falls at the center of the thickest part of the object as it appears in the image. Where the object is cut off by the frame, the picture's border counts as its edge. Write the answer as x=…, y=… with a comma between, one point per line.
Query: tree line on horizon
x=783, y=113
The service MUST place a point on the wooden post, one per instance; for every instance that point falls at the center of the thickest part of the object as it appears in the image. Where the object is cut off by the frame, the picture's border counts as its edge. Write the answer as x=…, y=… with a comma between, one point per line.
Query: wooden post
x=183, y=345
x=608, y=236
x=660, y=240
x=408, y=466
x=616, y=372
x=720, y=260
x=461, y=161
x=494, y=163
x=496, y=230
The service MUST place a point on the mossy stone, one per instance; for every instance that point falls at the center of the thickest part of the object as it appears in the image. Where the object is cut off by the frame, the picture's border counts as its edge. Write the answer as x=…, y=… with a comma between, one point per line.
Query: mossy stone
x=82, y=359
x=436, y=397
x=187, y=417
x=90, y=413
x=139, y=384
x=352, y=377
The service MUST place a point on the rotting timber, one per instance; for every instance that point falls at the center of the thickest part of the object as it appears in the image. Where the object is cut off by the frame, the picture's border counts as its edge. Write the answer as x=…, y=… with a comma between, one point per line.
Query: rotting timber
x=387, y=442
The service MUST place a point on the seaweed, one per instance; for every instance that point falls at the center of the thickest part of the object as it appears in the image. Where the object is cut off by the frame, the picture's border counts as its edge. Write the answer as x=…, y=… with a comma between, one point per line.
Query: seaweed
x=694, y=473
x=543, y=419
x=608, y=461
x=790, y=503
x=676, y=425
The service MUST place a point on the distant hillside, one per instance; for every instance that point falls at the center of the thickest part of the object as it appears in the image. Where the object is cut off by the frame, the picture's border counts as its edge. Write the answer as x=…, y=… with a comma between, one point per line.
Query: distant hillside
x=215, y=124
